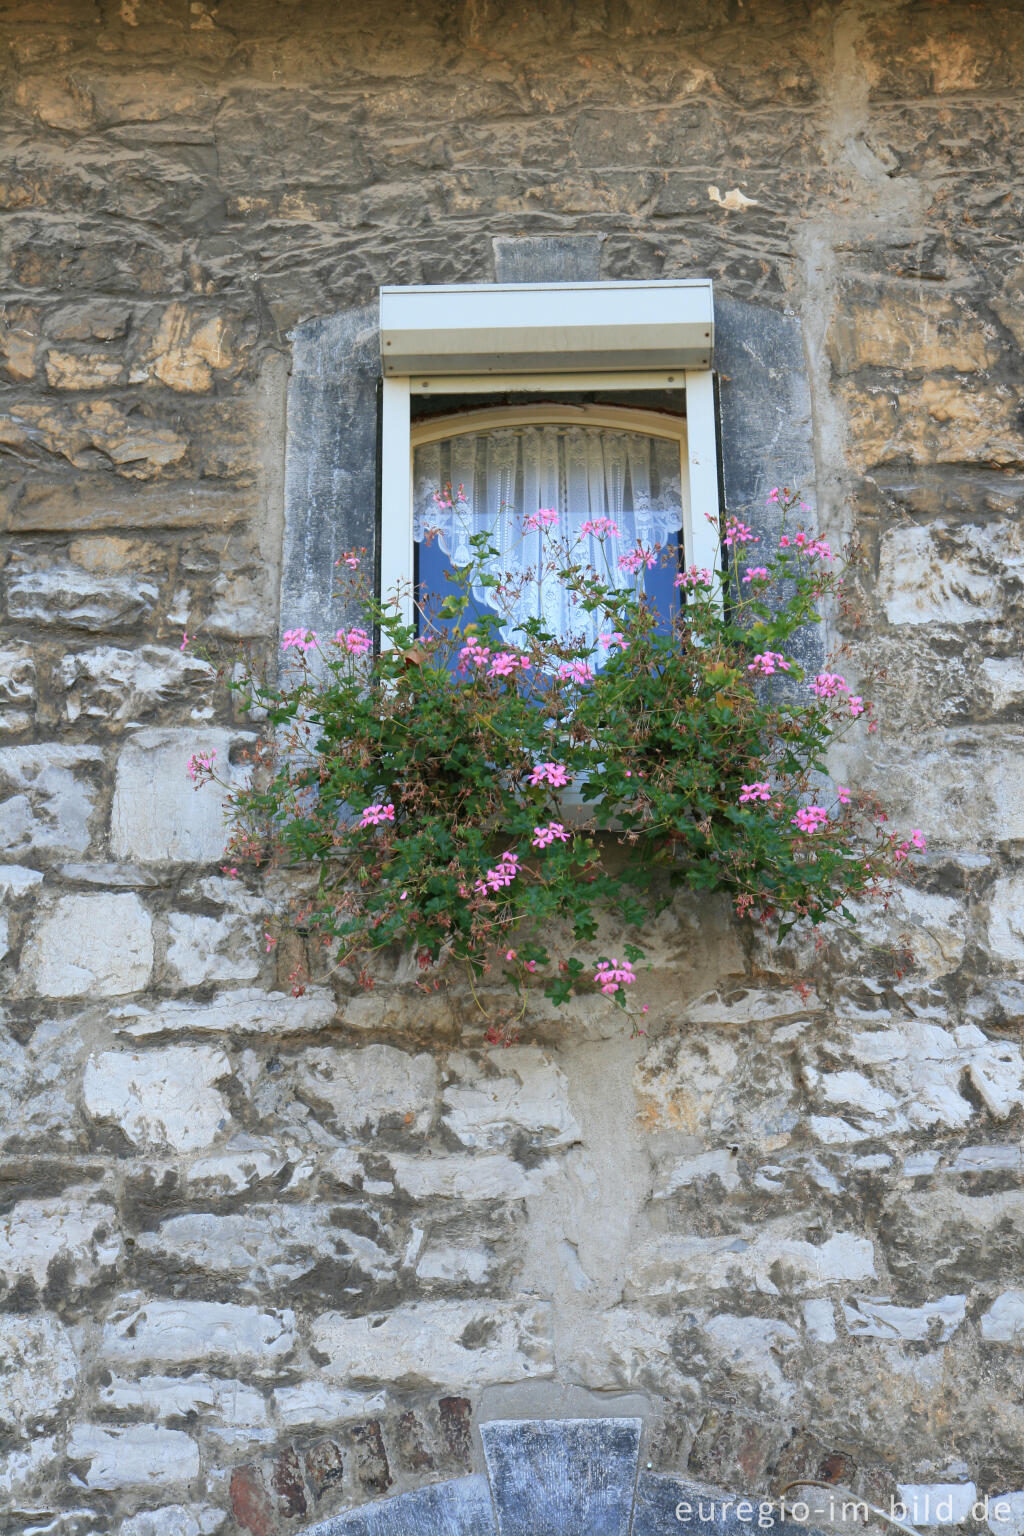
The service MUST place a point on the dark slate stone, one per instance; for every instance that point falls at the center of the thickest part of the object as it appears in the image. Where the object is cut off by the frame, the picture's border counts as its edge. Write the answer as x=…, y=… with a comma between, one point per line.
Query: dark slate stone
x=547, y=258
x=461, y=1507
x=571, y=1477
x=331, y=463
x=706, y=1511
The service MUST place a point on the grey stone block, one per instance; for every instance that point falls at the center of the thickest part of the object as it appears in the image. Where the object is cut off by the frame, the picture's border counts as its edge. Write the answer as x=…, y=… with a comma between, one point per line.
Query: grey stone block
x=461, y=1507
x=571, y=1477
x=548, y=258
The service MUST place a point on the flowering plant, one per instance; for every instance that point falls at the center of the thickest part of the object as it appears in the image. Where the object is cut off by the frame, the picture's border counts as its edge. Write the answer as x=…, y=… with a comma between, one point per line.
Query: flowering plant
x=429, y=781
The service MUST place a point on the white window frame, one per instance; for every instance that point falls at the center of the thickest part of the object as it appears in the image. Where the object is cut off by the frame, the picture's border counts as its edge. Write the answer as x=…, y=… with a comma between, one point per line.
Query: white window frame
x=487, y=339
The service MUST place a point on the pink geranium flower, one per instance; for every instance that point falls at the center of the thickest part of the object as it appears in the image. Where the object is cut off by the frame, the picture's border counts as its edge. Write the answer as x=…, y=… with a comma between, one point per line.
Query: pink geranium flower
x=760, y=790
x=543, y=836
x=377, y=815
x=549, y=773
x=610, y=976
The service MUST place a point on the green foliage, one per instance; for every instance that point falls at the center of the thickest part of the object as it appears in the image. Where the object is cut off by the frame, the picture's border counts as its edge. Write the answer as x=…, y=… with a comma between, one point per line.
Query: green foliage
x=465, y=795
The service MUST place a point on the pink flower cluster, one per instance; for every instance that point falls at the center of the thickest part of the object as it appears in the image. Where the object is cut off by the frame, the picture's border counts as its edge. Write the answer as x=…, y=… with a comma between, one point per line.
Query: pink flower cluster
x=637, y=559
x=760, y=790
x=549, y=773
x=615, y=638
x=818, y=549
x=473, y=654
x=575, y=672
x=502, y=664
x=298, y=639
x=737, y=532
x=351, y=560
x=506, y=662
x=828, y=684
x=694, y=577
x=601, y=528
x=810, y=819
x=842, y=794
x=610, y=976
x=355, y=641
x=542, y=518
x=915, y=840
x=503, y=873
x=755, y=573
x=542, y=836
x=768, y=662
x=377, y=815
x=200, y=765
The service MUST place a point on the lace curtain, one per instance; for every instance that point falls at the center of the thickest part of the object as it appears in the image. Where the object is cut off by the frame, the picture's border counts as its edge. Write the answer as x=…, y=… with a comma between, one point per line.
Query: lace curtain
x=583, y=472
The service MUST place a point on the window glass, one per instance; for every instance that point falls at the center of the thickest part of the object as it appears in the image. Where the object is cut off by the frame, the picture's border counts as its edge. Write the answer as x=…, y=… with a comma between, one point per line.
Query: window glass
x=584, y=473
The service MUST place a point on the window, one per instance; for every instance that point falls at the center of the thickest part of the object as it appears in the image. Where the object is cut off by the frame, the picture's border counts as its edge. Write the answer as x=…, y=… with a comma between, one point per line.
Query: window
x=596, y=398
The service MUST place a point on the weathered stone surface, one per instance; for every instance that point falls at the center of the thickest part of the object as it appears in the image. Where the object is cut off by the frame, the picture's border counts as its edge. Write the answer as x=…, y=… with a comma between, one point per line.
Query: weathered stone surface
x=158, y=813
x=242, y=1011
x=138, y=1456
x=936, y=421
x=469, y=1344
x=191, y=1332
x=372, y=1087
x=1003, y=1323
x=181, y=1397
x=531, y=1102
x=73, y=1238
x=887, y=326
x=65, y=594
x=119, y=686
x=492, y=1176
x=269, y=1245
x=935, y=1321
x=571, y=1476
x=46, y=801
x=38, y=1372
x=96, y=428
x=931, y=1504
x=22, y=1471
x=174, y=1520
x=202, y=949
x=459, y=1508
x=161, y=1097
x=98, y=946
x=770, y=1263
x=948, y=574
x=17, y=688
x=317, y=1402
x=1006, y=920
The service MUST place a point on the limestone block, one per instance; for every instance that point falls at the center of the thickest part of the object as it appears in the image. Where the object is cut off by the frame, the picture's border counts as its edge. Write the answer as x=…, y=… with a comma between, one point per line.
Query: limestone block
x=97, y=946
x=935, y=421
x=38, y=1372
x=107, y=683
x=45, y=802
x=719, y=1165
x=242, y=1011
x=1003, y=1323
x=158, y=814
x=76, y=1232
x=315, y=1402
x=888, y=327
x=202, y=949
x=38, y=1087
x=820, y=1320
x=81, y=370
x=191, y=1332
x=22, y=1471
x=244, y=1162
x=451, y=1343
x=678, y=1082
x=267, y=1245
x=753, y=1347
x=963, y=786
x=935, y=1321
x=185, y=349
x=178, y=1397
x=532, y=1102
x=140, y=1455
x=947, y=574
x=373, y=1086
x=174, y=1520
x=160, y=1098
x=1003, y=677
x=456, y=1266
x=771, y=1262
x=136, y=448
x=65, y=594
x=491, y=1176
x=1005, y=936
x=17, y=688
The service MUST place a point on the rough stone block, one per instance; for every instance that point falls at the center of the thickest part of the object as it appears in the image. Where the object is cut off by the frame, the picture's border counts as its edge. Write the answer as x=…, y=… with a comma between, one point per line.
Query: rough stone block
x=213, y=1398
x=65, y=594
x=157, y=813
x=458, y=1508
x=371, y=1087
x=573, y=1476
x=1005, y=940
x=935, y=1321
x=450, y=1343
x=202, y=949
x=947, y=574
x=74, y=1236
x=491, y=1176
x=38, y=1372
x=134, y=446
x=115, y=685
x=190, y=1332
x=22, y=1471
x=46, y=802
x=932, y=1504
x=174, y=1520
x=242, y=1011
x=138, y=1456
x=1003, y=1323
x=316, y=1402
x=887, y=326
x=161, y=1097
x=267, y=1245
x=95, y=946
x=531, y=1101
x=769, y=1262
x=17, y=688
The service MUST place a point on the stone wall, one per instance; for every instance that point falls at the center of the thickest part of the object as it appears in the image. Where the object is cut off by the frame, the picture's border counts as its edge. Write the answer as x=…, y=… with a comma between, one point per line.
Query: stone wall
x=263, y=1258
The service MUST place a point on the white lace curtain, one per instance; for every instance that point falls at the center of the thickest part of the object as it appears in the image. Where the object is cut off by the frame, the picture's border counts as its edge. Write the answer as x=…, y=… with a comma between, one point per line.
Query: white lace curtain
x=583, y=472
